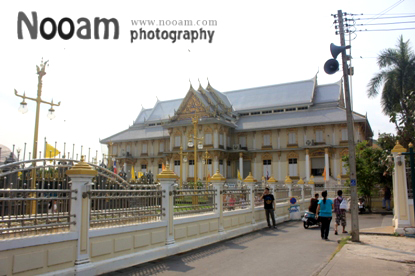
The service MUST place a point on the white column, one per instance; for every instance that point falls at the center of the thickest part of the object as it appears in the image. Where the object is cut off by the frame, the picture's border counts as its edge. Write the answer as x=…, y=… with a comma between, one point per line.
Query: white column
x=326, y=163
x=333, y=136
x=218, y=183
x=81, y=176
x=215, y=139
x=279, y=167
x=253, y=140
x=172, y=142
x=335, y=162
x=307, y=164
x=241, y=165
x=251, y=187
x=215, y=165
x=200, y=168
x=225, y=140
x=166, y=181
x=400, y=192
x=278, y=139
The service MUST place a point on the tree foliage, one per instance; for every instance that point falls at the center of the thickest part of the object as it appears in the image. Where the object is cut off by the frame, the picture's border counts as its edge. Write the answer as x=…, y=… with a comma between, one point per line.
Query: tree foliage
x=396, y=83
x=371, y=170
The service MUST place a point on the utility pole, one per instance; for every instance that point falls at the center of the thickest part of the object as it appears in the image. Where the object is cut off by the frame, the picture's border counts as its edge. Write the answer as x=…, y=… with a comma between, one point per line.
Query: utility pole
x=350, y=135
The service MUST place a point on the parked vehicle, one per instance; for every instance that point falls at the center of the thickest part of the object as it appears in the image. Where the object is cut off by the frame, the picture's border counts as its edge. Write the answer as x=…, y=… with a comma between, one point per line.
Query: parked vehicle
x=362, y=205
x=309, y=219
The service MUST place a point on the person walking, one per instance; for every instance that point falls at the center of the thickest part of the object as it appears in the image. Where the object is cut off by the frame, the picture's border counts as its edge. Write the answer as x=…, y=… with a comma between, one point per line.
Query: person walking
x=340, y=212
x=386, y=198
x=269, y=206
x=324, y=209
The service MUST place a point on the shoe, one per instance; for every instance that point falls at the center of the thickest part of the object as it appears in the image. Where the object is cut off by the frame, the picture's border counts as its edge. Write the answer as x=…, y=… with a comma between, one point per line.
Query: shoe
x=269, y=226
x=344, y=232
x=326, y=239
x=335, y=233
x=275, y=227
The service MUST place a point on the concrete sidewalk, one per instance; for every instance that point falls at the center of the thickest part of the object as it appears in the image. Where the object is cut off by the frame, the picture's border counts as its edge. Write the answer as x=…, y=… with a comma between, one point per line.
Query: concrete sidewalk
x=378, y=253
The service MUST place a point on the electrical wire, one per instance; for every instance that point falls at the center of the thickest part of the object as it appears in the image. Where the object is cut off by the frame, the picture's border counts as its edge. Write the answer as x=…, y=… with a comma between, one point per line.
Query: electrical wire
x=382, y=30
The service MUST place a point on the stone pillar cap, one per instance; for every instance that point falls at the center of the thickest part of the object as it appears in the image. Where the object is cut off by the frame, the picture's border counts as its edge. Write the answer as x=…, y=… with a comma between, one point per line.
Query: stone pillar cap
x=288, y=180
x=217, y=176
x=250, y=178
x=301, y=181
x=398, y=148
x=167, y=173
x=272, y=180
x=82, y=168
x=311, y=181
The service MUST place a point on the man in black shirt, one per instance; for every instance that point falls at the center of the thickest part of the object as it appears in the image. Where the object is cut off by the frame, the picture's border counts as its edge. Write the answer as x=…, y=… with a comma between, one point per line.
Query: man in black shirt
x=269, y=206
x=313, y=204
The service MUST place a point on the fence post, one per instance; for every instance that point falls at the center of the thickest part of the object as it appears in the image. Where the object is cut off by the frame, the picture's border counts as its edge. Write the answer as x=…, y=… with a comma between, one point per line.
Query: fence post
x=81, y=175
x=288, y=183
x=167, y=180
x=273, y=185
x=311, y=184
x=218, y=181
x=301, y=184
x=250, y=181
x=400, y=191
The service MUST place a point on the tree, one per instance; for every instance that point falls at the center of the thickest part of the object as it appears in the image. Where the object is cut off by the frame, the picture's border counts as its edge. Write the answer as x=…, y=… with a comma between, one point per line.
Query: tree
x=371, y=165
x=396, y=82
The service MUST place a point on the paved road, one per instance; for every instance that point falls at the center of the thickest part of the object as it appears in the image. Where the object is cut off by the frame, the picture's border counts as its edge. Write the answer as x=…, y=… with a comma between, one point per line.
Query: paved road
x=290, y=250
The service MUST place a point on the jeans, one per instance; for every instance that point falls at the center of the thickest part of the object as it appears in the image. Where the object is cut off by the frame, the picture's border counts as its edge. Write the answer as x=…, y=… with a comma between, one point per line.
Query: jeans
x=269, y=212
x=325, y=226
x=386, y=202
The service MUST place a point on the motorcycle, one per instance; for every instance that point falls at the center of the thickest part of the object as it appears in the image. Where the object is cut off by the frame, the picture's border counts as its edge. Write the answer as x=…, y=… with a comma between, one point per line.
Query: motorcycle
x=309, y=219
x=361, y=204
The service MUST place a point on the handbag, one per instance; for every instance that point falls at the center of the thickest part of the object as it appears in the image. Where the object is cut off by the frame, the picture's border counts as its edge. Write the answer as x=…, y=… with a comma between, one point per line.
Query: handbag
x=343, y=204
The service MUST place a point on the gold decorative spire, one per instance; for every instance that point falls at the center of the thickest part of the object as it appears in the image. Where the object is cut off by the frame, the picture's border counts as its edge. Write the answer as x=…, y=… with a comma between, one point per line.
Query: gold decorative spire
x=311, y=181
x=301, y=181
x=398, y=148
x=288, y=180
x=217, y=176
x=167, y=173
x=250, y=178
x=272, y=180
x=82, y=168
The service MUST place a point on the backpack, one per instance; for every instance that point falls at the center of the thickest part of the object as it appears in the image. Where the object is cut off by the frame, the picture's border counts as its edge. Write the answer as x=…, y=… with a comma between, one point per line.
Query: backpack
x=343, y=204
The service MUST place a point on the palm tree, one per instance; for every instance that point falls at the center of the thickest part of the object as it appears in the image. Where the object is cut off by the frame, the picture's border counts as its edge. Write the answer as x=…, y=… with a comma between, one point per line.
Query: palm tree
x=396, y=80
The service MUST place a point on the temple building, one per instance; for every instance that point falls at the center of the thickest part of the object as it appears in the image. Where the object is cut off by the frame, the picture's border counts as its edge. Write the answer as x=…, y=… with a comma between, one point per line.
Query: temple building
x=295, y=129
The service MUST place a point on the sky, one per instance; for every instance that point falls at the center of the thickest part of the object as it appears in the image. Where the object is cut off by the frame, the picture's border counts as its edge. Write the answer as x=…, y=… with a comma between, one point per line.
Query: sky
x=103, y=84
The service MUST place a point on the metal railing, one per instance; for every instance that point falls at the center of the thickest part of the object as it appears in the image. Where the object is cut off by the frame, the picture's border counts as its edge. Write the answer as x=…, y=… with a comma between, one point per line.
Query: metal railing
x=296, y=191
x=308, y=192
x=117, y=207
x=235, y=199
x=258, y=192
x=29, y=207
x=281, y=194
x=188, y=202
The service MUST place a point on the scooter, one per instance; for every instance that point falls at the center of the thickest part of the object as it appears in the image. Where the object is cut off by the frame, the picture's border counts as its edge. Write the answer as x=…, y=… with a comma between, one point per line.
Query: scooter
x=362, y=206
x=309, y=219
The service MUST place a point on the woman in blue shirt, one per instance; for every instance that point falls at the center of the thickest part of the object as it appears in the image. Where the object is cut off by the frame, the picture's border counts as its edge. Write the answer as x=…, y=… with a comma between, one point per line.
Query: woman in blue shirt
x=324, y=210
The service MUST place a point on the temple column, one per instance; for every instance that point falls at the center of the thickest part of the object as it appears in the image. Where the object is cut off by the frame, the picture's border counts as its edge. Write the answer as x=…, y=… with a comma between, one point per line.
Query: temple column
x=241, y=164
x=307, y=164
x=326, y=163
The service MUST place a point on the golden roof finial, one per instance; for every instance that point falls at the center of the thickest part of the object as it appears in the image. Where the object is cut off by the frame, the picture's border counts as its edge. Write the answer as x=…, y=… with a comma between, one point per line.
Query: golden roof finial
x=288, y=180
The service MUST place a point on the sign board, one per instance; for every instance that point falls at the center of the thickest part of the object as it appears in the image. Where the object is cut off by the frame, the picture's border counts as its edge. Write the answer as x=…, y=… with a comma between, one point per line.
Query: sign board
x=293, y=200
x=352, y=182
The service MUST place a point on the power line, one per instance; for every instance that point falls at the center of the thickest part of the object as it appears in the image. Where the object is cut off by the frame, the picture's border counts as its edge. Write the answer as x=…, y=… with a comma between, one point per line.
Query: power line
x=384, y=23
x=381, y=30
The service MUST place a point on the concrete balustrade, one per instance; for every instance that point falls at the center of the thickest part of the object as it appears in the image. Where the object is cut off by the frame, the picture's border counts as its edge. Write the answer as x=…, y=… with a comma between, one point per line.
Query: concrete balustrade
x=92, y=251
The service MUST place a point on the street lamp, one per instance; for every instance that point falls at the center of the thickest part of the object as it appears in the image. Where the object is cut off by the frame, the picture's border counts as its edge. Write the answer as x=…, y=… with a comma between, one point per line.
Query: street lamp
x=191, y=143
x=23, y=109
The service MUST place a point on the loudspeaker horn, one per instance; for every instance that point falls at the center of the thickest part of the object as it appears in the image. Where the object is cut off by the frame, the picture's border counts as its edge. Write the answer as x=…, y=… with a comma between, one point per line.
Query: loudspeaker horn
x=336, y=50
x=331, y=66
